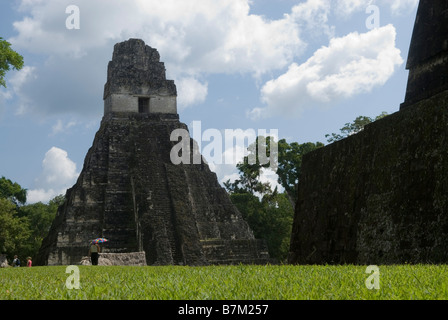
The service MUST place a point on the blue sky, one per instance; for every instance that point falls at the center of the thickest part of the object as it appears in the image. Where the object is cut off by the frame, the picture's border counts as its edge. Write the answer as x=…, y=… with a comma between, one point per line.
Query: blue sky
x=304, y=68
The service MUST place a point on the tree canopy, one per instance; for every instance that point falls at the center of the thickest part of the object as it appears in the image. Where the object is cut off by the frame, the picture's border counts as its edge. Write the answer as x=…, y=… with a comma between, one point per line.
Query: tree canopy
x=23, y=226
x=270, y=212
x=353, y=127
x=8, y=58
x=290, y=163
x=12, y=191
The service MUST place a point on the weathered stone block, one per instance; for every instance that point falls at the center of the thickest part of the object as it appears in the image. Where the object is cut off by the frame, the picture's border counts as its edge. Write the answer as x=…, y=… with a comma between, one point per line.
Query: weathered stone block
x=428, y=53
x=118, y=259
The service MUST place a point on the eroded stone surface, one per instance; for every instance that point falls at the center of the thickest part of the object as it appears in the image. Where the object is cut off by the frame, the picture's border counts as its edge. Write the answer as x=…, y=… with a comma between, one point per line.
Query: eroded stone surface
x=428, y=52
x=380, y=197
x=131, y=193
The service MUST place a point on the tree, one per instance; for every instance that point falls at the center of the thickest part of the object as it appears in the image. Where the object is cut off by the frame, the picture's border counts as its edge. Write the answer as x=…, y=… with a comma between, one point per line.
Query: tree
x=14, y=230
x=277, y=224
x=40, y=217
x=23, y=227
x=8, y=58
x=290, y=164
x=270, y=218
x=12, y=191
x=251, y=169
x=269, y=212
x=353, y=128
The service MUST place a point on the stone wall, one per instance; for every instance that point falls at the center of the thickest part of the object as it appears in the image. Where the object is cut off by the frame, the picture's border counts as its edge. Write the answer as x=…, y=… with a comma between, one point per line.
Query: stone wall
x=428, y=54
x=130, y=103
x=228, y=252
x=378, y=197
x=136, y=71
x=131, y=193
x=118, y=259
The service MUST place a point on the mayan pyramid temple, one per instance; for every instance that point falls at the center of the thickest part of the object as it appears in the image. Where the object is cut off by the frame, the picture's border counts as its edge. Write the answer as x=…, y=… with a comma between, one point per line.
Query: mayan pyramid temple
x=381, y=196
x=129, y=190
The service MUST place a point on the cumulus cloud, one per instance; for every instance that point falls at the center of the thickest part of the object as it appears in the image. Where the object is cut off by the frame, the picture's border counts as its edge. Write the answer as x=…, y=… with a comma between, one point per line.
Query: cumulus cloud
x=312, y=16
x=348, y=7
x=348, y=66
x=58, y=174
x=403, y=6
x=190, y=92
x=197, y=37
x=16, y=84
x=61, y=127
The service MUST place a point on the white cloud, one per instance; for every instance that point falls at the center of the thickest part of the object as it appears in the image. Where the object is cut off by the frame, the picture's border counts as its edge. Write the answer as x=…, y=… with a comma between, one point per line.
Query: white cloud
x=348, y=7
x=224, y=172
x=58, y=174
x=60, y=127
x=194, y=38
x=190, y=91
x=42, y=195
x=267, y=175
x=15, y=85
x=313, y=15
x=5, y=94
x=403, y=6
x=348, y=66
x=211, y=34
x=236, y=145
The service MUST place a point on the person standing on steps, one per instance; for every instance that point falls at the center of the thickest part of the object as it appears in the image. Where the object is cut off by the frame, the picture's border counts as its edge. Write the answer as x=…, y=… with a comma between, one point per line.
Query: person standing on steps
x=94, y=251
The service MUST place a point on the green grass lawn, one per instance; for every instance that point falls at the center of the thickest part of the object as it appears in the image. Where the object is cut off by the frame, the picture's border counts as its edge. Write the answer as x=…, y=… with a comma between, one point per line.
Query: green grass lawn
x=401, y=282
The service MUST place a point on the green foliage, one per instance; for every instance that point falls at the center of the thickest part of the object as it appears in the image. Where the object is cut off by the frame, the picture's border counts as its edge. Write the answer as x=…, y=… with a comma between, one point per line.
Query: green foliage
x=353, y=128
x=14, y=230
x=270, y=219
x=23, y=227
x=40, y=217
x=8, y=58
x=242, y=282
x=277, y=223
x=251, y=168
x=290, y=164
x=268, y=212
x=12, y=191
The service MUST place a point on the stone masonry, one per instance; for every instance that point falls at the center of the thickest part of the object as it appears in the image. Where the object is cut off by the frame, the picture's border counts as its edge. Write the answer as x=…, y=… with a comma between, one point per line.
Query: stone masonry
x=131, y=193
x=136, y=81
x=381, y=196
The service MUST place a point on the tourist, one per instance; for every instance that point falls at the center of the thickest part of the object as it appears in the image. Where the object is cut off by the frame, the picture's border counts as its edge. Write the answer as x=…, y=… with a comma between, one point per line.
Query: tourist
x=93, y=253
x=16, y=261
x=29, y=263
